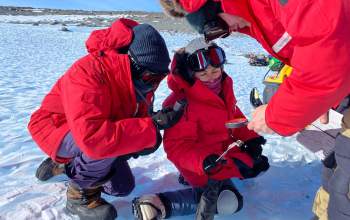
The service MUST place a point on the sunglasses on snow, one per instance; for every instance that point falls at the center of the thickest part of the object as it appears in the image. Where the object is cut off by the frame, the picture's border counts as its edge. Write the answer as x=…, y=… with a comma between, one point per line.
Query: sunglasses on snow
x=200, y=60
x=148, y=77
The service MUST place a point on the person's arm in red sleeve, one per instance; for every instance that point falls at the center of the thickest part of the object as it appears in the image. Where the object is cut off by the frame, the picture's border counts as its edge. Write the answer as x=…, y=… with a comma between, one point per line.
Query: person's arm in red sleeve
x=243, y=133
x=87, y=105
x=180, y=144
x=320, y=76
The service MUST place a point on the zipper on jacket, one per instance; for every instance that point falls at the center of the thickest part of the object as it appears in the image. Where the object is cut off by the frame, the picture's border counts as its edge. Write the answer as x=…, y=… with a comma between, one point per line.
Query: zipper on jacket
x=100, y=65
x=183, y=91
x=137, y=109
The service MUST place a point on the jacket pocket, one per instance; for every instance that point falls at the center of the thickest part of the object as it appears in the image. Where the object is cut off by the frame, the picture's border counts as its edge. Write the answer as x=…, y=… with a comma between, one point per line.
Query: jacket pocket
x=95, y=110
x=97, y=97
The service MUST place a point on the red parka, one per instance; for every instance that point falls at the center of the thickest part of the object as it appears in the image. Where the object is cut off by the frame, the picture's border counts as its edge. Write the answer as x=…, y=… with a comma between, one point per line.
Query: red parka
x=104, y=118
x=202, y=130
x=312, y=36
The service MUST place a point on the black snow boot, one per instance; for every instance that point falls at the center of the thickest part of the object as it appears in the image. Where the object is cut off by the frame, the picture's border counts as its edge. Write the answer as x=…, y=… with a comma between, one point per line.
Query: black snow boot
x=88, y=204
x=183, y=181
x=48, y=169
x=207, y=205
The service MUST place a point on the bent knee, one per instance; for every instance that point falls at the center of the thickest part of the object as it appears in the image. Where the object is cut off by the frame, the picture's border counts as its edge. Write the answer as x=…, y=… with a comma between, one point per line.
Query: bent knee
x=229, y=201
x=118, y=189
x=127, y=188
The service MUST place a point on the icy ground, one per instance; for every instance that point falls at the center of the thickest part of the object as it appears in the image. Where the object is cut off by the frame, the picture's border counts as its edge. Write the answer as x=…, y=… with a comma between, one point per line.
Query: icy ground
x=32, y=59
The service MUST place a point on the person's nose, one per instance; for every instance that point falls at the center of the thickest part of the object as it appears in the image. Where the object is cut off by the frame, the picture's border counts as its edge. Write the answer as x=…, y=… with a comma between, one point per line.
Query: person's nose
x=211, y=79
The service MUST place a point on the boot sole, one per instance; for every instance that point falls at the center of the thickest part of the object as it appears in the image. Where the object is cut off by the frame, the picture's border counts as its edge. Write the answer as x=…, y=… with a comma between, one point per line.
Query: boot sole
x=69, y=208
x=71, y=211
x=42, y=167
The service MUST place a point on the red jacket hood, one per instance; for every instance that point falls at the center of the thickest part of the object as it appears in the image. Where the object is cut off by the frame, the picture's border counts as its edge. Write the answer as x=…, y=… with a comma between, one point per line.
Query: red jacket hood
x=117, y=36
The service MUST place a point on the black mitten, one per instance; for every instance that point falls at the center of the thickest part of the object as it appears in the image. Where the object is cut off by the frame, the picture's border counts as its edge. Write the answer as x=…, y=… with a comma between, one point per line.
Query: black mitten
x=253, y=146
x=210, y=161
x=166, y=118
x=259, y=167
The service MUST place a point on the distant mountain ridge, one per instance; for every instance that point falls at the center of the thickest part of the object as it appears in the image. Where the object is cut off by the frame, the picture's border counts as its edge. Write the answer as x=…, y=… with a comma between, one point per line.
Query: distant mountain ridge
x=13, y=10
x=91, y=18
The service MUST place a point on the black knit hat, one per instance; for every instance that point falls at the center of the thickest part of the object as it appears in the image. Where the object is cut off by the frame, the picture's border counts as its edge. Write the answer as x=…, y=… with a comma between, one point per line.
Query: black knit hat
x=149, y=48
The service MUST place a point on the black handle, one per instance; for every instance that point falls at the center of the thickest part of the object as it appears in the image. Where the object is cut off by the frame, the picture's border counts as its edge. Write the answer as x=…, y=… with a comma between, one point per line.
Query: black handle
x=181, y=105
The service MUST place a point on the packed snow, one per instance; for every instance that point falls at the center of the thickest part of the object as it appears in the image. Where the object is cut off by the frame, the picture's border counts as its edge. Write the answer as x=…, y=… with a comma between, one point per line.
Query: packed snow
x=32, y=58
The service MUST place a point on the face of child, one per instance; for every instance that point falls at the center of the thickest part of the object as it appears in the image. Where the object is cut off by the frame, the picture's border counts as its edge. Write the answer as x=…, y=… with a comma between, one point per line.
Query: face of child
x=208, y=75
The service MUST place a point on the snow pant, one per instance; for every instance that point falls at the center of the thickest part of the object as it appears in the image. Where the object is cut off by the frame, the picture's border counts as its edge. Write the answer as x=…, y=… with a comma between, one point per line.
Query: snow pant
x=185, y=201
x=333, y=199
x=85, y=171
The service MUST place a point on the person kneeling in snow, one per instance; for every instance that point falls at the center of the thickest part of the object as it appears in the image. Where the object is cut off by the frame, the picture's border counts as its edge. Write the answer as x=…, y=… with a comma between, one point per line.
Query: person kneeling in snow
x=201, y=136
x=99, y=114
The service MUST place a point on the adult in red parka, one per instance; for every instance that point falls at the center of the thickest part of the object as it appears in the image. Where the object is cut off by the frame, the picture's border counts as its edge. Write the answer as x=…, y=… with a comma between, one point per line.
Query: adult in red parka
x=99, y=114
x=201, y=136
x=305, y=35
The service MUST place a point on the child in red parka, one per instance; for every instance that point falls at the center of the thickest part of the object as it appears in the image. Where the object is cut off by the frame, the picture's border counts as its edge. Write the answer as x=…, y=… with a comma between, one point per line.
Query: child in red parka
x=201, y=136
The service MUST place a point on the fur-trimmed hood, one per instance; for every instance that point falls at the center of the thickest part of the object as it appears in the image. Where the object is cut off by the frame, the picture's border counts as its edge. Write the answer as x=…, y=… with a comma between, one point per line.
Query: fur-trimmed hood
x=180, y=8
x=172, y=8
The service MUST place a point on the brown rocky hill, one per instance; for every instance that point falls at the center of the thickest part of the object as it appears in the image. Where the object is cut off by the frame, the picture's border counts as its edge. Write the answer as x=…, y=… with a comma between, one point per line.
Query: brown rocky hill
x=158, y=20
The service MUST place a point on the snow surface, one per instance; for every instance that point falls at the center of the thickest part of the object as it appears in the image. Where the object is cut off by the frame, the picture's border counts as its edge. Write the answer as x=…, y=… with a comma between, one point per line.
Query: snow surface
x=33, y=58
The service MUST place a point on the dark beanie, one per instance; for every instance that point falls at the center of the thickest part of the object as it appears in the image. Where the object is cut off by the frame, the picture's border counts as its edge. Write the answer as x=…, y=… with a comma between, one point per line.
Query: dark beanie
x=149, y=48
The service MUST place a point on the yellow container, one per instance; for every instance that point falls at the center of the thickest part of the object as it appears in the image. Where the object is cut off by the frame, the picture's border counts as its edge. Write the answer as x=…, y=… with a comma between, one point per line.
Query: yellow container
x=279, y=77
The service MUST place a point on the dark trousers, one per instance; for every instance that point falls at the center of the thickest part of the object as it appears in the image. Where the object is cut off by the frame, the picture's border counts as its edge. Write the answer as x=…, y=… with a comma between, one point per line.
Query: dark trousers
x=339, y=181
x=85, y=171
x=185, y=201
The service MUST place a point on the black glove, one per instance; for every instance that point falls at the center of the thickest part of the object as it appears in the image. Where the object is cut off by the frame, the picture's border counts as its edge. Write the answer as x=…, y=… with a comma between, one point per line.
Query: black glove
x=253, y=146
x=167, y=118
x=145, y=151
x=210, y=160
x=259, y=167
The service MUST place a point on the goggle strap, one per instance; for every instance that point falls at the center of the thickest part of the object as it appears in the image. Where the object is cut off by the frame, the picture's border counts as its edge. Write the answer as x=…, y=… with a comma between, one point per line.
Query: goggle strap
x=140, y=94
x=149, y=105
x=134, y=57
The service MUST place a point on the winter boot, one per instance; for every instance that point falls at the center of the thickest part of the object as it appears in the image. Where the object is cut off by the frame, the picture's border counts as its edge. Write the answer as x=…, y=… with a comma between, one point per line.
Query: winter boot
x=149, y=207
x=88, y=204
x=208, y=202
x=48, y=169
x=183, y=181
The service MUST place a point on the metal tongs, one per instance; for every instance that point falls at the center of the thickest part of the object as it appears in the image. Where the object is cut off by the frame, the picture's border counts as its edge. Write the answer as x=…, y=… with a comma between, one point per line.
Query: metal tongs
x=237, y=143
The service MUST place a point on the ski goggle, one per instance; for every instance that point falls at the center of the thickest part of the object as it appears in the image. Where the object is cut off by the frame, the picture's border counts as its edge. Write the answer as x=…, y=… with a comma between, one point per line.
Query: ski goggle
x=200, y=60
x=151, y=78
x=148, y=77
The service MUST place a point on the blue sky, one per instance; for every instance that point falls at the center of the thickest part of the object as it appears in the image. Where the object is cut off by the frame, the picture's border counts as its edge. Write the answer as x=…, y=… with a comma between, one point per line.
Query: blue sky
x=88, y=5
